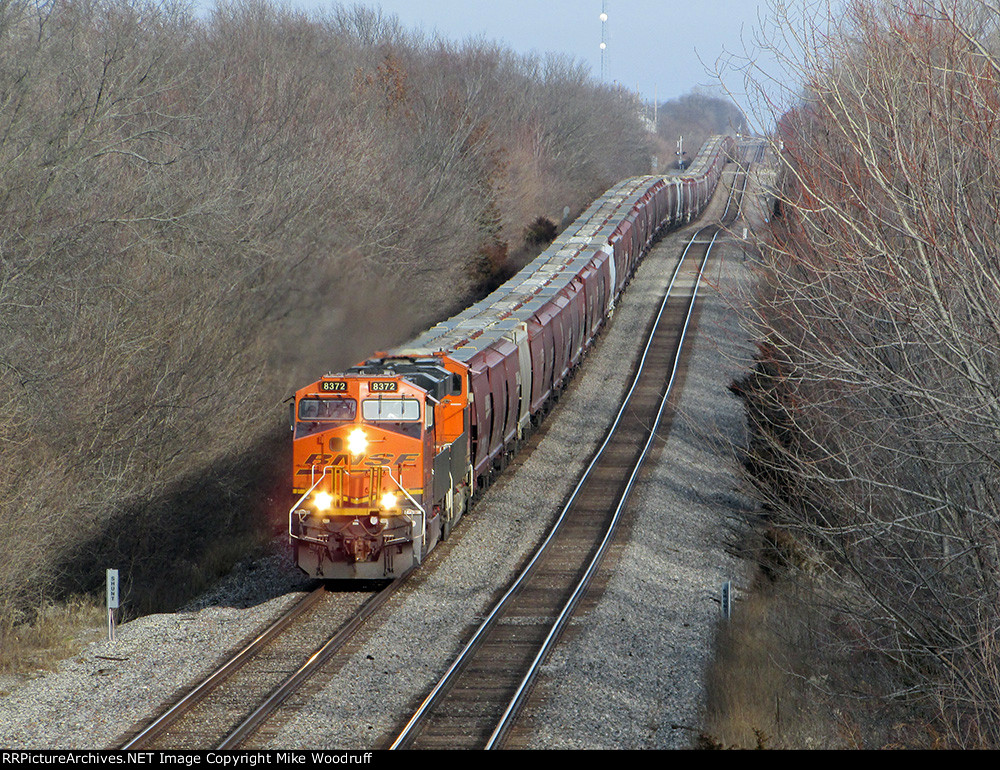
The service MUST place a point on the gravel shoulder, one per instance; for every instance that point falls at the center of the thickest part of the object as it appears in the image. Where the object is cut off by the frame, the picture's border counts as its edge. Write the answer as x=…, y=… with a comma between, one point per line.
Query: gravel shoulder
x=628, y=674
x=96, y=698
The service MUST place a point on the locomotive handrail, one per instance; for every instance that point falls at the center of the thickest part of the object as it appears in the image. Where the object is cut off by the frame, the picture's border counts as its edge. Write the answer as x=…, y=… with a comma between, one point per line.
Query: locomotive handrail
x=295, y=505
x=423, y=515
x=386, y=468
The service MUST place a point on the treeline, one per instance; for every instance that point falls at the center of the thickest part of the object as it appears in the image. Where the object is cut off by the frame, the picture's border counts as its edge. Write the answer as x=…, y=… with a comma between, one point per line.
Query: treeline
x=696, y=116
x=198, y=215
x=874, y=408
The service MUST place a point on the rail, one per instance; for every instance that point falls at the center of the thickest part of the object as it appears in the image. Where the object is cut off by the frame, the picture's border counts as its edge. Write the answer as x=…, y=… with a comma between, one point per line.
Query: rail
x=408, y=735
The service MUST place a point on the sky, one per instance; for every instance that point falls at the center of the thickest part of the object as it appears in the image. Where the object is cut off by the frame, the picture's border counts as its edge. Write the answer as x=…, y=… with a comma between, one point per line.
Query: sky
x=661, y=47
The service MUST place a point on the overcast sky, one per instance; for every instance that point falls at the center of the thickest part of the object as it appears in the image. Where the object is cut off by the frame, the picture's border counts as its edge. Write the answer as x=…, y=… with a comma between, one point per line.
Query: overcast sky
x=661, y=46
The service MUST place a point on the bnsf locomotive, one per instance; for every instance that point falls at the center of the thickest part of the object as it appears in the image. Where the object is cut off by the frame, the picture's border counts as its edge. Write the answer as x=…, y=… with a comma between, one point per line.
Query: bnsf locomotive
x=389, y=454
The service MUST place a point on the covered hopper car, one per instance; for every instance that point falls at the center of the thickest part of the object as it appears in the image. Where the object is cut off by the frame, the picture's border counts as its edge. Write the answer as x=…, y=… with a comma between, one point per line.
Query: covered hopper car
x=388, y=454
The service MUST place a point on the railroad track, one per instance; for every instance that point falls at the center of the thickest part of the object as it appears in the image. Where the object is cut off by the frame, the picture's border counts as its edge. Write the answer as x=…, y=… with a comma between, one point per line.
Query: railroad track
x=477, y=700
x=229, y=705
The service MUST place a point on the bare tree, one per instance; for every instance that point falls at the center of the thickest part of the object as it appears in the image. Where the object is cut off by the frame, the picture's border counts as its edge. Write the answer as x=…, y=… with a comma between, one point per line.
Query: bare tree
x=696, y=116
x=874, y=405
x=198, y=215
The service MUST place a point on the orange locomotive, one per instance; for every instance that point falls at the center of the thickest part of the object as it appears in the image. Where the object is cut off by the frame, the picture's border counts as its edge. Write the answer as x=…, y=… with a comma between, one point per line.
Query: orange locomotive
x=388, y=454
x=381, y=465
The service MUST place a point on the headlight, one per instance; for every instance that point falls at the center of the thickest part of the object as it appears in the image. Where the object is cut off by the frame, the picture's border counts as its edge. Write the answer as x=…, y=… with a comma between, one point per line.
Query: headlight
x=357, y=442
x=323, y=500
x=388, y=500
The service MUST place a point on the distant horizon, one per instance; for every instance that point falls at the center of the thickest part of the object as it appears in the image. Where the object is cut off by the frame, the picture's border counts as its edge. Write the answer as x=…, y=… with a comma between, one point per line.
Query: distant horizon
x=641, y=56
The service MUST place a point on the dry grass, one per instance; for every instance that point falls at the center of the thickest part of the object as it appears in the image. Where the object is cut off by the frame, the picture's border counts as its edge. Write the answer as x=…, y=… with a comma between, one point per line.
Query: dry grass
x=58, y=631
x=788, y=675
x=751, y=690
x=744, y=685
x=188, y=578
x=770, y=686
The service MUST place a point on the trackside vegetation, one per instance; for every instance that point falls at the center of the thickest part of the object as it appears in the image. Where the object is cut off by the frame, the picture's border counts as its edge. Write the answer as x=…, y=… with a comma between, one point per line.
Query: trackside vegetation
x=873, y=405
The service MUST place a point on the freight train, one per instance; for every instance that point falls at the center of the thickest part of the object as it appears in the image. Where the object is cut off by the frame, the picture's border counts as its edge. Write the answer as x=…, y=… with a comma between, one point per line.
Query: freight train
x=388, y=455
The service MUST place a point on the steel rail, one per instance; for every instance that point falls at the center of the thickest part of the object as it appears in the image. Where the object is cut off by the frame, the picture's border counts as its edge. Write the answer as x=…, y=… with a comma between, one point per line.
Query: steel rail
x=513, y=707
x=485, y=626
x=407, y=735
x=318, y=658
x=159, y=725
x=311, y=666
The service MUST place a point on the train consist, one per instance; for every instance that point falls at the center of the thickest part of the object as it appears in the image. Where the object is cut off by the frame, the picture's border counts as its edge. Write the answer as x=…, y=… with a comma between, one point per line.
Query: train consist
x=388, y=454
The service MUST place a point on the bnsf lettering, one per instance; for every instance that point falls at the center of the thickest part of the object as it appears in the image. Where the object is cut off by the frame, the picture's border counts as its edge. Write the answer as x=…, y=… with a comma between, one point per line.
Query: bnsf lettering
x=372, y=461
x=382, y=458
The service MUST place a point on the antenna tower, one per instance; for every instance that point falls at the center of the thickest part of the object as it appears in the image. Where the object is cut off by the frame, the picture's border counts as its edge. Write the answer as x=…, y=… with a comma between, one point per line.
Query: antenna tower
x=604, y=41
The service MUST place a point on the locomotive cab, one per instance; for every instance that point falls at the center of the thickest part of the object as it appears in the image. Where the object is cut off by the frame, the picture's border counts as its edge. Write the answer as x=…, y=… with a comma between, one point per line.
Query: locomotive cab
x=373, y=466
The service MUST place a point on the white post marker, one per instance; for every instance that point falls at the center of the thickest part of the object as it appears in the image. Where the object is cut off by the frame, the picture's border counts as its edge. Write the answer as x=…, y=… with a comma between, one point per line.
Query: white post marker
x=112, y=601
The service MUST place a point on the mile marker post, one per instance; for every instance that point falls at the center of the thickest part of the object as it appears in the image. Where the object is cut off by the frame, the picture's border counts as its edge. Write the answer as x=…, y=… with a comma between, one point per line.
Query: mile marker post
x=112, y=601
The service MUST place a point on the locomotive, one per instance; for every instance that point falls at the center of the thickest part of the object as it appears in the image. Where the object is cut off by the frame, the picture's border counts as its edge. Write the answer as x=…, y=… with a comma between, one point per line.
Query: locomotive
x=388, y=455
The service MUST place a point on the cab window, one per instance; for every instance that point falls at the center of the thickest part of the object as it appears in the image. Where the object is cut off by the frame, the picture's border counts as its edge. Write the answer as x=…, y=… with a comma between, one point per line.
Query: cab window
x=343, y=409
x=390, y=409
x=319, y=414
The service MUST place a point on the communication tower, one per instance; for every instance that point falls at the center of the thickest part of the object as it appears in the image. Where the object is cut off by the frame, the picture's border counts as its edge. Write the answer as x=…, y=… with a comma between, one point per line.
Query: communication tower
x=604, y=41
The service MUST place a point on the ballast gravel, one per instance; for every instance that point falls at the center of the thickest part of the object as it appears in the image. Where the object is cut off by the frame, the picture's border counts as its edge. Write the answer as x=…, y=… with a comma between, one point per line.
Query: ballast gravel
x=97, y=698
x=629, y=674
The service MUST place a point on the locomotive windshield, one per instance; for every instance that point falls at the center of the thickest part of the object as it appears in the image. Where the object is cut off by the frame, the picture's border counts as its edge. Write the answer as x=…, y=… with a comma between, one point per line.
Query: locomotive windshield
x=327, y=409
x=390, y=409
